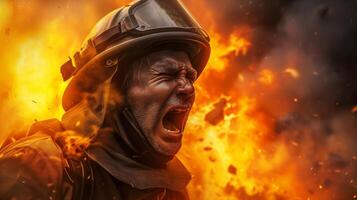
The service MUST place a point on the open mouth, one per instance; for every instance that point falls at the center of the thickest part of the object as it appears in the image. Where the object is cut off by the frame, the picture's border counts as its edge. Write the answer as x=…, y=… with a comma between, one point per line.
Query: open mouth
x=174, y=119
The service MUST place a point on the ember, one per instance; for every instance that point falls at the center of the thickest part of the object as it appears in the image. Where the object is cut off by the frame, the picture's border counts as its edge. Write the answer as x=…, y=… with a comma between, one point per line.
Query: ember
x=275, y=111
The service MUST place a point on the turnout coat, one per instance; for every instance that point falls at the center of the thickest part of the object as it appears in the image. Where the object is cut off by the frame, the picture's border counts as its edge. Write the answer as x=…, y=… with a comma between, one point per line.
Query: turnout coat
x=35, y=167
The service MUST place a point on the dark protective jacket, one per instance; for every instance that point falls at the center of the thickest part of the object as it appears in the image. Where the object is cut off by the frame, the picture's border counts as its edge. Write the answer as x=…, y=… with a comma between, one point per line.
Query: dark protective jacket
x=35, y=167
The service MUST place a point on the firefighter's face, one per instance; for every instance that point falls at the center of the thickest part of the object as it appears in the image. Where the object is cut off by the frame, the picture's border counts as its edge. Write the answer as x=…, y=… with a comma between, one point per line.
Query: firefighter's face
x=161, y=95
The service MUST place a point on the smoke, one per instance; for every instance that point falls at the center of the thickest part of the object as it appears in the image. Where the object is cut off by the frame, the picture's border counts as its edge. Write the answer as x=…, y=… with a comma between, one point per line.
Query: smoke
x=325, y=31
x=319, y=34
x=300, y=68
x=312, y=107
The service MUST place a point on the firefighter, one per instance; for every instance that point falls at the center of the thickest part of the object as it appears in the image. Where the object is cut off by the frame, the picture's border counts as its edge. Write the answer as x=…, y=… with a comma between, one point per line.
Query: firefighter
x=126, y=106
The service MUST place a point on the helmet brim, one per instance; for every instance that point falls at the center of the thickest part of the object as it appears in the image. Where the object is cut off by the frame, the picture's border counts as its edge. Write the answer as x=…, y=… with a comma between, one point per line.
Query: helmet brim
x=94, y=72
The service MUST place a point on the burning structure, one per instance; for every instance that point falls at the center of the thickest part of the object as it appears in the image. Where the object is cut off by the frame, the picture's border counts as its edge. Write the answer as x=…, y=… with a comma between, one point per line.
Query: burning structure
x=275, y=116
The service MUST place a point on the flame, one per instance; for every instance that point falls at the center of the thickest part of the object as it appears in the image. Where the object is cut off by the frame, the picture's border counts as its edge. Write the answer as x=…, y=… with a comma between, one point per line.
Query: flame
x=5, y=13
x=236, y=45
x=292, y=72
x=73, y=144
x=235, y=160
x=354, y=109
x=240, y=156
x=34, y=74
x=266, y=77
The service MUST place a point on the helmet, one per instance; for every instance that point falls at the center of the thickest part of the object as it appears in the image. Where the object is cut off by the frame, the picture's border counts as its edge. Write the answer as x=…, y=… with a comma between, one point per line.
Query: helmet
x=127, y=33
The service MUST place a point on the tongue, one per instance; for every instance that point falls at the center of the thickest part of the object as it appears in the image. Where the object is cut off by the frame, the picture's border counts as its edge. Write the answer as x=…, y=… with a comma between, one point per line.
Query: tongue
x=171, y=126
x=169, y=122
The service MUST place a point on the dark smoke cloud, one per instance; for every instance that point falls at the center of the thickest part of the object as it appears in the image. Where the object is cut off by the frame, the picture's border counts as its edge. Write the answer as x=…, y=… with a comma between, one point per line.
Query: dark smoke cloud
x=261, y=17
x=323, y=32
x=259, y=14
x=321, y=37
x=318, y=38
x=326, y=31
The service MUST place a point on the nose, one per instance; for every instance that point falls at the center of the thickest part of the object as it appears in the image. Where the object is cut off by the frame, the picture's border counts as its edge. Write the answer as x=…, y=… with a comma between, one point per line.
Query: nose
x=185, y=89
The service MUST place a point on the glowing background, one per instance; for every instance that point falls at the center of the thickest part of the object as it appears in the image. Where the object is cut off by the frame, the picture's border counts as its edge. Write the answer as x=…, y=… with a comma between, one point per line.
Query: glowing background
x=272, y=118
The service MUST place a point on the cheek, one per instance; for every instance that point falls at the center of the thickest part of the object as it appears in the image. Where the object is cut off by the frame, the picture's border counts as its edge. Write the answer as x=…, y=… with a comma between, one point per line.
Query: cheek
x=148, y=103
x=150, y=94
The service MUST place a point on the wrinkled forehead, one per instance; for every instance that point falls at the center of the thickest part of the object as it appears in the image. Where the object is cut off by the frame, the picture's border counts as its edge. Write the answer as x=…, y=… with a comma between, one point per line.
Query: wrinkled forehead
x=163, y=60
x=169, y=57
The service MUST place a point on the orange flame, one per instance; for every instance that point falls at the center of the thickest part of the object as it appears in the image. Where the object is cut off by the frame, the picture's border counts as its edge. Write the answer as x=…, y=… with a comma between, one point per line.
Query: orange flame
x=236, y=44
x=266, y=77
x=240, y=157
x=292, y=72
x=354, y=109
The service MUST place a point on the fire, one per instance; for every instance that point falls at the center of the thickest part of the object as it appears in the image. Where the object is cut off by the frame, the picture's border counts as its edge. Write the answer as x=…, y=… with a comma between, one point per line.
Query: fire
x=292, y=72
x=232, y=145
x=354, y=109
x=5, y=12
x=36, y=84
x=231, y=161
x=73, y=143
x=35, y=74
x=236, y=45
x=266, y=77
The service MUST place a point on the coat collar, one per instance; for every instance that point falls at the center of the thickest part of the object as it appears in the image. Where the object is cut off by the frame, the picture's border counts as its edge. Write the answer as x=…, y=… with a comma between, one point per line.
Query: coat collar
x=106, y=151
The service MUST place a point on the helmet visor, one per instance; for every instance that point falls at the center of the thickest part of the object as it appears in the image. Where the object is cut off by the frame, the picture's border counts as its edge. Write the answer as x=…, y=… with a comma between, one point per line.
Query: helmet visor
x=158, y=14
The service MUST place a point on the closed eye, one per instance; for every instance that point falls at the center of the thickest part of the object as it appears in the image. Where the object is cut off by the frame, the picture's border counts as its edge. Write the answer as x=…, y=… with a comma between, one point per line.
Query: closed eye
x=192, y=75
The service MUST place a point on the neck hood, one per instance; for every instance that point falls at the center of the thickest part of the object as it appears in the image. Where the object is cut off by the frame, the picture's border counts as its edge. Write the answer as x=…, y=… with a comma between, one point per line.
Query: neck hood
x=122, y=149
x=133, y=141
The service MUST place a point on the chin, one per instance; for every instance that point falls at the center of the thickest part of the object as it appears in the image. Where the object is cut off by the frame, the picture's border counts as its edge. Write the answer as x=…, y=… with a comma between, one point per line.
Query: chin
x=166, y=148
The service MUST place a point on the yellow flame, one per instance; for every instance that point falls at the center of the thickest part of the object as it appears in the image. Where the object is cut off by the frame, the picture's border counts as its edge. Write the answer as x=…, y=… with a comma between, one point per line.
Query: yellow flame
x=38, y=85
x=231, y=160
x=233, y=143
x=236, y=45
x=5, y=12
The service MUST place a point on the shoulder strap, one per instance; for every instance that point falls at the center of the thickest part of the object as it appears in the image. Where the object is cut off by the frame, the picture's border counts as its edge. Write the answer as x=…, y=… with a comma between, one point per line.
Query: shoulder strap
x=79, y=174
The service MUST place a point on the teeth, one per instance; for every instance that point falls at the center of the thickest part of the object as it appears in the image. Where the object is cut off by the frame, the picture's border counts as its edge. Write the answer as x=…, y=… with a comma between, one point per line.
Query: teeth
x=173, y=120
x=179, y=110
x=173, y=131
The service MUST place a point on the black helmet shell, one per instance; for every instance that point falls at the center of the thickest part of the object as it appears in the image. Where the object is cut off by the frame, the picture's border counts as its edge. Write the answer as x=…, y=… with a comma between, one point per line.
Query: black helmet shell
x=111, y=42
